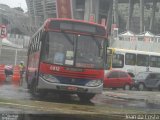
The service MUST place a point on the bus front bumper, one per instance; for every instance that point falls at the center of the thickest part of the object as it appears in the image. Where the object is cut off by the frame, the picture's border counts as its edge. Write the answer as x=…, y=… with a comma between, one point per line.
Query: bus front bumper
x=45, y=85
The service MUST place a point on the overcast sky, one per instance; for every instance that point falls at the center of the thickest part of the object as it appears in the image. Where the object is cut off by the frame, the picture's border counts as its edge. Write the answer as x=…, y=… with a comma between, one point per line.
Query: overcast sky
x=15, y=3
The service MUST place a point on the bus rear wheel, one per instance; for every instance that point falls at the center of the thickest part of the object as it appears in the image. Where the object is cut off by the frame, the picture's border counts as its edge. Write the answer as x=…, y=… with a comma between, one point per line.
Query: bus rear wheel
x=85, y=97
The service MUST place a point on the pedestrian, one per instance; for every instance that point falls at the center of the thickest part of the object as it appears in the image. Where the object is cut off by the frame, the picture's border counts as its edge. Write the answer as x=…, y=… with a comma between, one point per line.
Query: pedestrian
x=22, y=70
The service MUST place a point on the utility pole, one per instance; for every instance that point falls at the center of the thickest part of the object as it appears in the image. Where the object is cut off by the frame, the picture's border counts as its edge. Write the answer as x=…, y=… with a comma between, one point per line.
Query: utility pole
x=115, y=12
x=109, y=16
x=44, y=9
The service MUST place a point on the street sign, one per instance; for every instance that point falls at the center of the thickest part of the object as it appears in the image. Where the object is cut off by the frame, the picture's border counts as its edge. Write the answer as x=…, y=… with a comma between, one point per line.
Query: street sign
x=3, y=31
x=3, y=34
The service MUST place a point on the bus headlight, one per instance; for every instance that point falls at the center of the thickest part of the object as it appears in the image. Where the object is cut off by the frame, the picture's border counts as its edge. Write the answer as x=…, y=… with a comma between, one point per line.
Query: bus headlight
x=49, y=78
x=94, y=83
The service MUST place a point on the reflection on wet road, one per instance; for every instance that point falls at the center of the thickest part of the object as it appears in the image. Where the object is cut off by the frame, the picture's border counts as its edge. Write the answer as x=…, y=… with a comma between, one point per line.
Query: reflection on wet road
x=125, y=104
x=14, y=98
x=10, y=91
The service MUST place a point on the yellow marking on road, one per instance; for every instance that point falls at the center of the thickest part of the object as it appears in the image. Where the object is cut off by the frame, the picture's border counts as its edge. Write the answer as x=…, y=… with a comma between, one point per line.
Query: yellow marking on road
x=64, y=108
x=43, y=109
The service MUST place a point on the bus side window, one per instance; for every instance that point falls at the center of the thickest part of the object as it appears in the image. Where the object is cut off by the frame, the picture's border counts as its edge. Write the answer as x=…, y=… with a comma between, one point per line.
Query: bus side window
x=118, y=61
x=44, y=42
x=158, y=62
x=130, y=59
x=154, y=61
x=142, y=60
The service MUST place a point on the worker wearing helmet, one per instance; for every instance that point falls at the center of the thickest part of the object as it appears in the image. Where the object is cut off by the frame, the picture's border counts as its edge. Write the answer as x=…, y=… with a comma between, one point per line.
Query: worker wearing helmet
x=22, y=68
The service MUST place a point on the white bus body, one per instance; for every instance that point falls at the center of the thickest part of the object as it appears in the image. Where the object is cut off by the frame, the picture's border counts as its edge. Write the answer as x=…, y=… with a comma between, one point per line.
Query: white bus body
x=133, y=61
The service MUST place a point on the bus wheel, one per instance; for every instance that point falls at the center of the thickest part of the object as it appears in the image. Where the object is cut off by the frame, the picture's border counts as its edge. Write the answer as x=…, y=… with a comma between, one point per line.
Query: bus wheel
x=141, y=87
x=127, y=87
x=85, y=97
x=35, y=92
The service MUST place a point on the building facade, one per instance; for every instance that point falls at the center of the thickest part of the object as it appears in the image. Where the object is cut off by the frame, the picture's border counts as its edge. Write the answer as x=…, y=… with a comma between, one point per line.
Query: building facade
x=40, y=10
x=137, y=16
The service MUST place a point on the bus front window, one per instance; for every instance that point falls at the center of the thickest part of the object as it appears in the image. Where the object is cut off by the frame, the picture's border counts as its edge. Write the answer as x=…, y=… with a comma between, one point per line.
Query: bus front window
x=89, y=52
x=58, y=49
x=73, y=50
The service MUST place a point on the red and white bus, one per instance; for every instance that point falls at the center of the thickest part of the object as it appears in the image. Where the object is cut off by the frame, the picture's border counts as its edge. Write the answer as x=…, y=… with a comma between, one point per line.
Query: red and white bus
x=67, y=55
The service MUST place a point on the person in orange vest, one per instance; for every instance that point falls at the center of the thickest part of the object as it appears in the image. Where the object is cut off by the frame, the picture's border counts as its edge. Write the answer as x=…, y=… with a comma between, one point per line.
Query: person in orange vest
x=22, y=68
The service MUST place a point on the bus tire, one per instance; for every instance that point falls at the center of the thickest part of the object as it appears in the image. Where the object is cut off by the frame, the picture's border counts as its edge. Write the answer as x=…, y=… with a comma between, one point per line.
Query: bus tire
x=35, y=92
x=85, y=96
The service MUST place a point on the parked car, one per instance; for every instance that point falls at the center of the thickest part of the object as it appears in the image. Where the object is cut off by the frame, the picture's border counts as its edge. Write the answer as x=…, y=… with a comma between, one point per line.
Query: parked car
x=118, y=79
x=147, y=80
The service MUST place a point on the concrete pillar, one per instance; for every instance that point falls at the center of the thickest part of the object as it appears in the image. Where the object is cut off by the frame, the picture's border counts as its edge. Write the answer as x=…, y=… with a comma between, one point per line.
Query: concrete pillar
x=130, y=13
x=87, y=10
x=44, y=9
x=153, y=15
x=109, y=16
x=91, y=8
x=34, y=12
x=73, y=8
x=115, y=12
x=95, y=9
x=141, y=15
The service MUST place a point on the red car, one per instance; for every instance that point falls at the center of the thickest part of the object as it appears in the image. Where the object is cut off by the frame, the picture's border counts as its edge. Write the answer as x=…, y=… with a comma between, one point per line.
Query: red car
x=118, y=79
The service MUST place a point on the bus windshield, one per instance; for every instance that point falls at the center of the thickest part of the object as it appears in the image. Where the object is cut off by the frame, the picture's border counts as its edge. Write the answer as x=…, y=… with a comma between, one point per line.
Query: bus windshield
x=73, y=50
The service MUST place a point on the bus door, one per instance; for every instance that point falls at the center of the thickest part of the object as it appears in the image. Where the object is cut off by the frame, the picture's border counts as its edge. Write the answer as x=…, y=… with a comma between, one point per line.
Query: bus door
x=118, y=61
x=109, y=59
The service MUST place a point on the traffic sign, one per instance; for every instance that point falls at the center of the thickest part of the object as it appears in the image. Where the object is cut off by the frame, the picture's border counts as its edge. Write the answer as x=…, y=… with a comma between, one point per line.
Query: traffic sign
x=3, y=31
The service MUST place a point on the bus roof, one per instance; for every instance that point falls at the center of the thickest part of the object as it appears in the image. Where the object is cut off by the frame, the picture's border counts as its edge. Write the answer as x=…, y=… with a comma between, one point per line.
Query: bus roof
x=135, y=51
x=72, y=20
x=72, y=25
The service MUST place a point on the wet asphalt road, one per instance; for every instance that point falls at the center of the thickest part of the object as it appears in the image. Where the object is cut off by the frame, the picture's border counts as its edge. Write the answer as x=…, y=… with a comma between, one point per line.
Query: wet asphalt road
x=116, y=101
